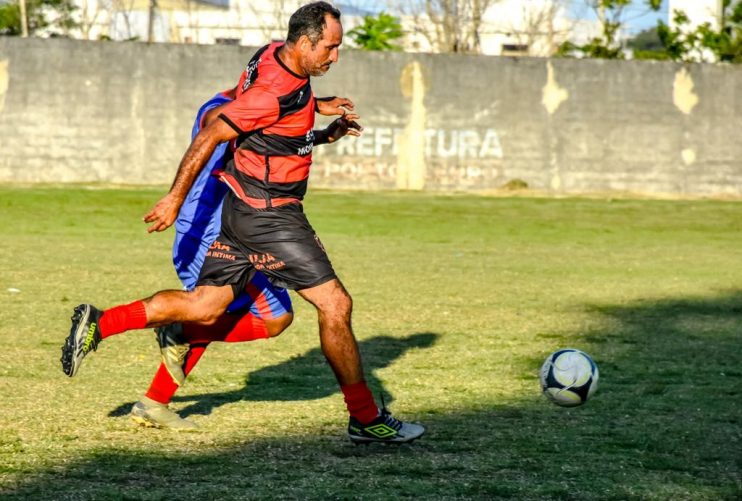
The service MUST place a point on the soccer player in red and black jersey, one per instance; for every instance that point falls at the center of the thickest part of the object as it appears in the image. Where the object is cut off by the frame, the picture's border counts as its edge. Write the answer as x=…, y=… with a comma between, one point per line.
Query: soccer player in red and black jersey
x=261, y=311
x=263, y=224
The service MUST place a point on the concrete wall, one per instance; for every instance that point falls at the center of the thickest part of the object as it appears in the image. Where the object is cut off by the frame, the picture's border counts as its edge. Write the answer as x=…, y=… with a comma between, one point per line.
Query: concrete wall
x=121, y=112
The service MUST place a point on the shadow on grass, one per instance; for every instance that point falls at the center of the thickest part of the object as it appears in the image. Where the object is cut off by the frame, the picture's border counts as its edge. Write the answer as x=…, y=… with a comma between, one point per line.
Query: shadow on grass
x=306, y=377
x=665, y=424
x=657, y=345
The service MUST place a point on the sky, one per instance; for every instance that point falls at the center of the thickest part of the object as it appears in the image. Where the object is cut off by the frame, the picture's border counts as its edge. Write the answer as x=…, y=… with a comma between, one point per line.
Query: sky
x=637, y=16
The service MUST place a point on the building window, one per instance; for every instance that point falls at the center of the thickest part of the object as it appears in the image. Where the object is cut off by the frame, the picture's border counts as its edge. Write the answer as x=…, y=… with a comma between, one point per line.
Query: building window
x=514, y=49
x=218, y=3
x=227, y=41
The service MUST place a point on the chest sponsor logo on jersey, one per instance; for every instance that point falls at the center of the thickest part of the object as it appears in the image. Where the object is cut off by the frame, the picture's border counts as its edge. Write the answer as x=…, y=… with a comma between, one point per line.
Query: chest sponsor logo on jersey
x=307, y=148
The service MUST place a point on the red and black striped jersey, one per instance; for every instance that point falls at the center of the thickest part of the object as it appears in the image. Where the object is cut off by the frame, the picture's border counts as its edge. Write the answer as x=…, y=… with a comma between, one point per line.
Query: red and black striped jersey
x=274, y=116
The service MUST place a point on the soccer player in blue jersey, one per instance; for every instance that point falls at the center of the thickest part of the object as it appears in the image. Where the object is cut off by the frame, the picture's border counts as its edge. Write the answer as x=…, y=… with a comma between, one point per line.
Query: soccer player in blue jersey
x=261, y=311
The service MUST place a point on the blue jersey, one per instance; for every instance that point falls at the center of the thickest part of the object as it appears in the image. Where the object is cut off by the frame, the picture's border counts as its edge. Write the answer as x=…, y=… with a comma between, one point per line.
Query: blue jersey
x=199, y=222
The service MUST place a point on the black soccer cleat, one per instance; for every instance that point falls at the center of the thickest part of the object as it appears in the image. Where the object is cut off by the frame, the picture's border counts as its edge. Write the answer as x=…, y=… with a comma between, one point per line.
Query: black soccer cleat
x=384, y=429
x=84, y=337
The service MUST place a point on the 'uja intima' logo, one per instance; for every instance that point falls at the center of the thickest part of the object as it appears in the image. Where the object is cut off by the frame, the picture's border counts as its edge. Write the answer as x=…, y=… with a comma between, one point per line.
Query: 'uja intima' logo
x=265, y=262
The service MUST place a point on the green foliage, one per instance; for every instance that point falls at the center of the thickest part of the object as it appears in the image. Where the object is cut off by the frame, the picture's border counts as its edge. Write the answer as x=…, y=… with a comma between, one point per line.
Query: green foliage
x=607, y=45
x=377, y=33
x=55, y=15
x=663, y=42
x=599, y=48
x=683, y=44
x=646, y=40
x=10, y=19
x=657, y=55
x=647, y=45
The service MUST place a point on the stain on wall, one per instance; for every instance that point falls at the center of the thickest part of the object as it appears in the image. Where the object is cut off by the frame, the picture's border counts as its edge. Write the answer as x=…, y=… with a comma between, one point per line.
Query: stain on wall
x=411, y=154
x=683, y=95
x=553, y=95
x=4, y=79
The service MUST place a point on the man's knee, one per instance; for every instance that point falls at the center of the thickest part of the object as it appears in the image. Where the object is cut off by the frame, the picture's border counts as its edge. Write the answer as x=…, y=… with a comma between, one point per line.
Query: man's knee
x=276, y=326
x=338, y=305
x=331, y=300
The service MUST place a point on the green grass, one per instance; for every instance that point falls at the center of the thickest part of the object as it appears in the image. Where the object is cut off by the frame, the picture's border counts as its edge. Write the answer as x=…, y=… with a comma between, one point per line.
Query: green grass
x=457, y=301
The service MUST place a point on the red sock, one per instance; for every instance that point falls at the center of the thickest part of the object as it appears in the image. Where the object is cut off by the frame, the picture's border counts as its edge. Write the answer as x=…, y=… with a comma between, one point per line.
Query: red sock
x=360, y=402
x=248, y=328
x=229, y=328
x=122, y=318
x=163, y=387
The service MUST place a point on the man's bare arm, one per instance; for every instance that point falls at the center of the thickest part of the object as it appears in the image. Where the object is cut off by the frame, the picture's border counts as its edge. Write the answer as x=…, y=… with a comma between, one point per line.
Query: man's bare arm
x=163, y=214
x=212, y=115
x=332, y=105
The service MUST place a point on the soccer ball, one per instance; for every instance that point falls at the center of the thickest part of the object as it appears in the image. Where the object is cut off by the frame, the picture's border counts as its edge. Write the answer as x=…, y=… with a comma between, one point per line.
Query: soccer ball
x=569, y=377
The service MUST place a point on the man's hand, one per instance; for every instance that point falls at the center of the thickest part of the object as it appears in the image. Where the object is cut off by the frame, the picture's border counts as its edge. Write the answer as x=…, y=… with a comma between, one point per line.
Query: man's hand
x=329, y=106
x=163, y=214
x=343, y=126
x=165, y=211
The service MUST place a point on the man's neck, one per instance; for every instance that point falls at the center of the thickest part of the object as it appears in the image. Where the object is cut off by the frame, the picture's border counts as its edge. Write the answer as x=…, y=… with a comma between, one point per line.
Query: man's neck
x=288, y=56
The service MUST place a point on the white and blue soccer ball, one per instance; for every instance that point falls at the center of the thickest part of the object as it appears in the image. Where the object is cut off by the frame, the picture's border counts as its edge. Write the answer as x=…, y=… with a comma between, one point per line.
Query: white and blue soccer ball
x=569, y=377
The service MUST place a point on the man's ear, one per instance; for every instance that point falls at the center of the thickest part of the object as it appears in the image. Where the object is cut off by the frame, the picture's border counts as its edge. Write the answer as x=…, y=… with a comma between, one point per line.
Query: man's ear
x=304, y=44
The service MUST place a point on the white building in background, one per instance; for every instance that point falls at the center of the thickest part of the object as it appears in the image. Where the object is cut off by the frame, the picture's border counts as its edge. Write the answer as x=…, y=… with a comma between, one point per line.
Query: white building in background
x=509, y=27
x=241, y=22
x=513, y=28
x=234, y=22
x=698, y=12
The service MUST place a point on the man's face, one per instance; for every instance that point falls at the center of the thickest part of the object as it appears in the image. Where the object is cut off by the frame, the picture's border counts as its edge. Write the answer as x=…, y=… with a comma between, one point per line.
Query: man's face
x=317, y=59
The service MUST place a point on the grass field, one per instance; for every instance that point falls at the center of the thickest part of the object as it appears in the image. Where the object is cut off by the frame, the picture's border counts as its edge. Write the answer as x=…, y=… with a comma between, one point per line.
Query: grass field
x=457, y=301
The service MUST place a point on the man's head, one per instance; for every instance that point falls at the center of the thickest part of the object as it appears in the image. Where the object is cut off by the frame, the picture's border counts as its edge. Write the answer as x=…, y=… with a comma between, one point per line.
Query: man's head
x=315, y=33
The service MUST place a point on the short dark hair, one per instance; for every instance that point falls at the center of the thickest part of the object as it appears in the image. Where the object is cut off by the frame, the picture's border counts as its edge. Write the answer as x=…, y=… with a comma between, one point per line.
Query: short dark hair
x=309, y=20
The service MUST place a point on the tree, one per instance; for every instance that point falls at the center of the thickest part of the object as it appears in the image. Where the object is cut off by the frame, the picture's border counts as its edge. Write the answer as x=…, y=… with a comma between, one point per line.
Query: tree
x=377, y=33
x=610, y=16
x=724, y=44
x=647, y=45
x=55, y=16
x=90, y=12
x=537, y=28
x=448, y=25
x=646, y=40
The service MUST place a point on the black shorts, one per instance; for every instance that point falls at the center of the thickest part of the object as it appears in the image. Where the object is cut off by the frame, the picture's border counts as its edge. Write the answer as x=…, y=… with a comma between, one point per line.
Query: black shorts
x=279, y=242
